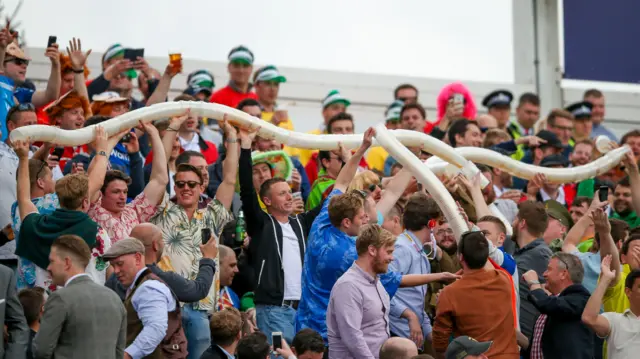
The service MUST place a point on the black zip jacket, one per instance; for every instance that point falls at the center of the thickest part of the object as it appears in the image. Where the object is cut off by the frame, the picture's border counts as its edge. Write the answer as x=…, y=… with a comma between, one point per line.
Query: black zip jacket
x=265, y=249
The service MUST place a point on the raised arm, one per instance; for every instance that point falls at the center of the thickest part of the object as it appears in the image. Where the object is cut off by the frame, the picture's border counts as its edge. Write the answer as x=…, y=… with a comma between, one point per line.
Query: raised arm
x=475, y=190
x=162, y=90
x=98, y=166
x=393, y=191
x=78, y=60
x=155, y=189
x=250, y=205
x=607, y=245
x=574, y=236
x=5, y=39
x=351, y=166
x=52, y=92
x=227, y=188
x=631, y=166
x=591, y=315
x=25, y=206
x=171, y=133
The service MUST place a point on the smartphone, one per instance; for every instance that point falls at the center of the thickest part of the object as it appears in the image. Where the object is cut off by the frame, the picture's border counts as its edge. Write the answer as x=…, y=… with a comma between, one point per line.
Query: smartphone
x=133, y=54
x=458, y=98
x=126, y=138
x=276, y=339
x=52, y=40
x=58, y=152
x=603, y=193
x=205, y=233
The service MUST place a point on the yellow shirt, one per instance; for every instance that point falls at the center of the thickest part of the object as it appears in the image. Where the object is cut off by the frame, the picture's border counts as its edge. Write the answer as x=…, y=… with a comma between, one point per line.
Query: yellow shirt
x=376, y=158
x=305, y=155
x=615, y=300
x=287, y=125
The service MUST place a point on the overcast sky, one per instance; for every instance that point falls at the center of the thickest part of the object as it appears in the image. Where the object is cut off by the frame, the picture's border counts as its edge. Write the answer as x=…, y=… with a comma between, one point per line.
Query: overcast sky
x=461, y=39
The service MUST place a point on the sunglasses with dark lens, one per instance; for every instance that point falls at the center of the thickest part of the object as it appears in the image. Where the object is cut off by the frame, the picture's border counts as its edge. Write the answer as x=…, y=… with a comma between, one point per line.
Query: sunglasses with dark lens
x=372, y=187
x=42, y=166
x=18, y=61
x=191, y=184
x=484, y=129
x=27, y=106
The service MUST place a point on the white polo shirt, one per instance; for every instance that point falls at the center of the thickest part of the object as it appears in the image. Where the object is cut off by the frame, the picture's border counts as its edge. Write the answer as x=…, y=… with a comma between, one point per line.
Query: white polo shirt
x=623, y=341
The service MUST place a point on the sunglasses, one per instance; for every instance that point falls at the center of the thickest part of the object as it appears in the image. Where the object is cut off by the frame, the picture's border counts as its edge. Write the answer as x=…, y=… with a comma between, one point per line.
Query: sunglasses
x=372, y=187
x=191, y=184
x=484, y=129
x=27, y=106
x=18, y=61
x=42, y=166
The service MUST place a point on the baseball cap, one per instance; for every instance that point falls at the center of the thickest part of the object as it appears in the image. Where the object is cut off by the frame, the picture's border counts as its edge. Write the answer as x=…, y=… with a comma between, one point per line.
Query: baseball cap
x=393, y=111
x=269, y=73
x=241, y=54
x=334, y=96
x=559, y=212
x=554, y=160
x=108, y=97
x=462, y=346
x=551, y=138
x=122, y=247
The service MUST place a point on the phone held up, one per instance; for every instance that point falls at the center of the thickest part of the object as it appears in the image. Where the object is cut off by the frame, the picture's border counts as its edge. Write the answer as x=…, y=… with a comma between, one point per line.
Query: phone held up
x=603, y=193
x=133, y=54
x=276, y=339
x=52, y=40
x=58, y=152
x=205, y=234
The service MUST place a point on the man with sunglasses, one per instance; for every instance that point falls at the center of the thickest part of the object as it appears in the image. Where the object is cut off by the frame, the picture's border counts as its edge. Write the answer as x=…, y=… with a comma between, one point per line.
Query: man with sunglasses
x=13, y=71
x=182, y=222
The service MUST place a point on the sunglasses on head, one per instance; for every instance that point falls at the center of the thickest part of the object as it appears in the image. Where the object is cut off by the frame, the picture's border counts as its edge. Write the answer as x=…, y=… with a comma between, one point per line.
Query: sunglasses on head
x=42, y=166
x=27, y=106
x=191, y=184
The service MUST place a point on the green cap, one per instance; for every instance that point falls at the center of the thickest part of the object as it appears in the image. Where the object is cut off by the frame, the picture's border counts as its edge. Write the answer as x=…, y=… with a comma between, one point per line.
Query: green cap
x=559, y=212
x=393, y=111
x=268, y=73
x=241, y=55
x=334, y=96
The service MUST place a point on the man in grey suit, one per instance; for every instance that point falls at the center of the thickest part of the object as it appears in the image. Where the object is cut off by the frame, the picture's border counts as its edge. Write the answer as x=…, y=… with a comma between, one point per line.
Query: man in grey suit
x=83, y=319
x=12, y=316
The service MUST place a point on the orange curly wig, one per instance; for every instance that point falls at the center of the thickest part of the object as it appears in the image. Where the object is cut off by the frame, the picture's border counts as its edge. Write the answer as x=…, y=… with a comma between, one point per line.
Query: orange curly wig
x=70, y=101
x=103, y=108
x=65, y=66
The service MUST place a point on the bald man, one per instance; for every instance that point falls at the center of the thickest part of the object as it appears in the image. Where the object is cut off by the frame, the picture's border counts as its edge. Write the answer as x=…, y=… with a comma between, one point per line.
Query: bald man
x=398, y=348
x=228, y=270
x=486, y=122
x=187, y=291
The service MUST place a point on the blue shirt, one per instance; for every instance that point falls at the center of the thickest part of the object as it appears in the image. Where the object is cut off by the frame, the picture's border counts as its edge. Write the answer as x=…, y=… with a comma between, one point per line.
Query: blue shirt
x=591, y=263
x=7, y=94
x=26, y=273
x=330, y=253
x=119, y=159
x=599, y=130
x=152, y=302
x=409, y=258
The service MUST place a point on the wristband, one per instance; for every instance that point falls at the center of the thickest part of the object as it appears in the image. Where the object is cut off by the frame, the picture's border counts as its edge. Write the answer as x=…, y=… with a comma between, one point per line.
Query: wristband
x=232, y=140
x=533, y=282
x=102, y=153
x=77, y=71
x=171, y=129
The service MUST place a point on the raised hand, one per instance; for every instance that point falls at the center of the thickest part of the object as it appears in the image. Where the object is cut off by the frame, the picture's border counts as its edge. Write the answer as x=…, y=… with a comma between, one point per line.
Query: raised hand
x=177, y=121
x=605, y=269
x=101, y=139
x=116, y=68
x=531, y=141
x=367, y=139
x=296, y=180
x=231, y=131
x=53, y=54
x=210, y=249
x=171, y=71
x=6, y=37
x=630, y=162
x=343, y=153
x=600, y=221
x=77, y=57
x=21, y=148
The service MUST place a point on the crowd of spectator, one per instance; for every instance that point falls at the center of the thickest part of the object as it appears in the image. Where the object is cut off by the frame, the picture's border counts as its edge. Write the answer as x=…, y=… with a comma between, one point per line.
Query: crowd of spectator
x=189, y=237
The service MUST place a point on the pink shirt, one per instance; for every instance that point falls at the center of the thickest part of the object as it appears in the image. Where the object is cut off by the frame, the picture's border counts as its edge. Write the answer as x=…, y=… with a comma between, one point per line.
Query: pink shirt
x=135, y=212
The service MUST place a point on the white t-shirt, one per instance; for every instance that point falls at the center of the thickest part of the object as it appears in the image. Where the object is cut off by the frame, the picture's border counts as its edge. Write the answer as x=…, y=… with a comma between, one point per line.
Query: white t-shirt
x=292, y=263
x=623, y=341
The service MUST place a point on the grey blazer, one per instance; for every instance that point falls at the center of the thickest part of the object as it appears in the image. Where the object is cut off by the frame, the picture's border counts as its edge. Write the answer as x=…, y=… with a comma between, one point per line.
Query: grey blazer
x=12, y=316
x=82, y=320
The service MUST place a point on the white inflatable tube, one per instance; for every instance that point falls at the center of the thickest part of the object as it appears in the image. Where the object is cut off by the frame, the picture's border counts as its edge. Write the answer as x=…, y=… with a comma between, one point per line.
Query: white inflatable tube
x=425, y=177
x=217, y=111
x=527, y=171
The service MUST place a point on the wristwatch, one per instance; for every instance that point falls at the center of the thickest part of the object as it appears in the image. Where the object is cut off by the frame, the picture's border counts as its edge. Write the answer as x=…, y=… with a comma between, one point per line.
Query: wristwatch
x=102, y=153
x=533, y=282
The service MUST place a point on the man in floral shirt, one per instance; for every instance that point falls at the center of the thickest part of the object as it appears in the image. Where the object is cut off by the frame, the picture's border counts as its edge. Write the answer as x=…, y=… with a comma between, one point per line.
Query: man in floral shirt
x=181, y=224
x=109, y=207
